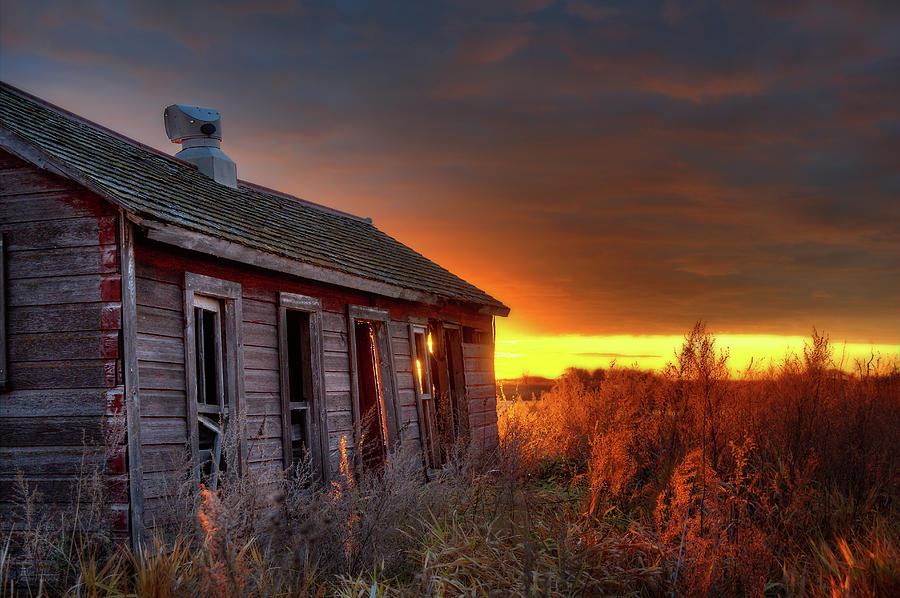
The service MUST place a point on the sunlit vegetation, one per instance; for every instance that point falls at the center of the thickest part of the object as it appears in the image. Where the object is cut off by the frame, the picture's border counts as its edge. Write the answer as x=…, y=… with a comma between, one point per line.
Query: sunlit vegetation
x=688, y=481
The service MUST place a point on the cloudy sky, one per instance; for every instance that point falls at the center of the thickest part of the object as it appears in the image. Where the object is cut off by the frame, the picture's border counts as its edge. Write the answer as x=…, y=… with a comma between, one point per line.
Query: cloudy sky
x=611, y=170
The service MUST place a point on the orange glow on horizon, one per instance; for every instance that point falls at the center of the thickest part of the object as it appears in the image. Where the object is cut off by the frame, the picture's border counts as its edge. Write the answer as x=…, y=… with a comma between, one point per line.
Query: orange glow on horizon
x=549, y=355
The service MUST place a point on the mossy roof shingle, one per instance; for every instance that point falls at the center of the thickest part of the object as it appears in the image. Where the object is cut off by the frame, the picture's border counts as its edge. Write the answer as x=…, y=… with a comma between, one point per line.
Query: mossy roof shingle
x=154, y=185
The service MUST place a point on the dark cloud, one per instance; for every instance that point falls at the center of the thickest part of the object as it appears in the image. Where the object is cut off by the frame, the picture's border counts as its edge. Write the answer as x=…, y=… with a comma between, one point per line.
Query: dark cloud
x=628, y=167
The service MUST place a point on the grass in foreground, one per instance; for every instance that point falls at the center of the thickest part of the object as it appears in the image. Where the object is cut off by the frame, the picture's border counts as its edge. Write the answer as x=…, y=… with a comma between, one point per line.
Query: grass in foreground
x=618, y=482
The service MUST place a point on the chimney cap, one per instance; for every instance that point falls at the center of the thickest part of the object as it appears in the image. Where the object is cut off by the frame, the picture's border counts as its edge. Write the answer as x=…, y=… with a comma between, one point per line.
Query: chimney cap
x=190, y=122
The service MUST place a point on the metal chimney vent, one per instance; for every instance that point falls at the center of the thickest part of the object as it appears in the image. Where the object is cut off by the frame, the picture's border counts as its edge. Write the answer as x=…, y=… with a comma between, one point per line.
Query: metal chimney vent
x=199, y=131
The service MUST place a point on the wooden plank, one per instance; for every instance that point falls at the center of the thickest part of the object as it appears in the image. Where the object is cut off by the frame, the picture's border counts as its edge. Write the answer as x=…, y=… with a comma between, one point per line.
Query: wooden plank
x=479, y=378
x=66, y=317
x=54, y=346
x=336, y=362
x=52, y=205
x=337, y=382
x=164, y=430
x=50, y=461
x=260, y=335
x=338, y=401
x=153, y=293
x=478, y=351
x=28, y=179
x=161, y=485
x=8, y=160
x=406, y=397
x=145, y=267
x=51, y=431
x=53, y=403
x=400, y=346
x=163, y=403
x=38, y=375
x=52, y=490
x=68, y=261
x=268, y=449
x=262, y=427
x=55, y=290
x=161, y=322
x=161, y=376
x=334, y=322
x=408, y=414
x=52, y=234
x=335, y=341
x=340, y=420
x=263, y=403
x=479, y=364
x=261, y=380
x=484, y=418
x=260, y=294
x=403, y=363
x=173, y=458
x=405, y=380
x=259, y=312
x=260, y=358
x=162, y=349
x=481, y=391
x=482, y=405
x=399, y=330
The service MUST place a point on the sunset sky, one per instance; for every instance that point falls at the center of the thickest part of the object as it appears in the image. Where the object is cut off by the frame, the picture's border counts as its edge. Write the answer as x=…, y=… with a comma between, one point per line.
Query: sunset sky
x=612, y=171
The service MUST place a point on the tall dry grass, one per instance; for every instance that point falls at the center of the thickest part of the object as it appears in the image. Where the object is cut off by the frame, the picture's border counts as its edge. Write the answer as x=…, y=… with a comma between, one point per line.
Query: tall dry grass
x=783, y=481
x=689, y=481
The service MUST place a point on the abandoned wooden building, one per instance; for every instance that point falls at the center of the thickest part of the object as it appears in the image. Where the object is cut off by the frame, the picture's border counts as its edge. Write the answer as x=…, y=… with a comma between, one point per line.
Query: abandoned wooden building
x=162, y=292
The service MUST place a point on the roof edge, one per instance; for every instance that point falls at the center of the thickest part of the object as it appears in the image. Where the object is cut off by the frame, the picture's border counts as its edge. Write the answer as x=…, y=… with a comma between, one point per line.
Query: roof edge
x=306, y=202
x=196, y=241
x=184, y=238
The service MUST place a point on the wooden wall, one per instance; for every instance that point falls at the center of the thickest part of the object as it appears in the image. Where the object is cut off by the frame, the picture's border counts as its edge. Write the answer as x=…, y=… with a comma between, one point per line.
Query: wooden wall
x=65, y=371
x=63, y=400
x=160, y=274
x=481, y=393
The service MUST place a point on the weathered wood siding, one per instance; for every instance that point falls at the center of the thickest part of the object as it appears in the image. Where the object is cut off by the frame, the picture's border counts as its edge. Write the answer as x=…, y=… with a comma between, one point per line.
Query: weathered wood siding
x=160, y=276
x=481, y=393
x=406, y=389
x=63, y=399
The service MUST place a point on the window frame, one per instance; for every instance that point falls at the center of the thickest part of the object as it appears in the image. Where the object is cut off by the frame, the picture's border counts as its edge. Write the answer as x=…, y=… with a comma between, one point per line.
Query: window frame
x=381, y=319
x=317, y=423
x=228, y=293
x=427, y=437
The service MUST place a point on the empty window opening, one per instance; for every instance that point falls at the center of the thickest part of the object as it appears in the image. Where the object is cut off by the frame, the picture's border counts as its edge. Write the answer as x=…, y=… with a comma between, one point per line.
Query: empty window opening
x=212, y=401
x=373, y=422
x=448, y=391
x=299, y=366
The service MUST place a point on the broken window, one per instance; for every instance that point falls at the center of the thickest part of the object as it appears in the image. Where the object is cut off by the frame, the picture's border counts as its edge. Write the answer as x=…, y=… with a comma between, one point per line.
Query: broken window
x=300, y=346
x=212, y=402
x=448, y=391
x=374, y=399
x=211, y=368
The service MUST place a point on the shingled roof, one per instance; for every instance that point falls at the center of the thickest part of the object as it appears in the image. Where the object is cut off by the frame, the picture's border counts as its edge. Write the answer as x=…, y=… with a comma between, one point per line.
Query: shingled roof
x=154, y=186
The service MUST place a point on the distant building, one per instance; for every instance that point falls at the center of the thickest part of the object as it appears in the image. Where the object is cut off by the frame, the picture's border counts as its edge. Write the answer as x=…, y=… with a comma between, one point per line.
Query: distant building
x=164, y=290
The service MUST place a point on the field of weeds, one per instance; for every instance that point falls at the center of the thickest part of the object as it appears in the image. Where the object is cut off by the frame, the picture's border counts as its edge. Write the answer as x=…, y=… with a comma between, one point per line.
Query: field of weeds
x=689, y=481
